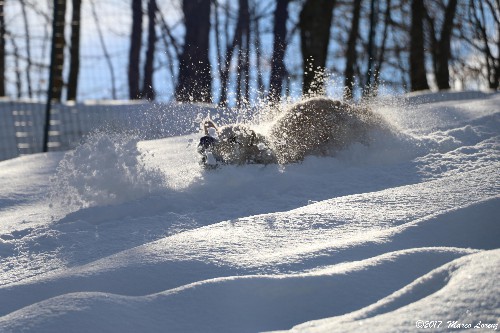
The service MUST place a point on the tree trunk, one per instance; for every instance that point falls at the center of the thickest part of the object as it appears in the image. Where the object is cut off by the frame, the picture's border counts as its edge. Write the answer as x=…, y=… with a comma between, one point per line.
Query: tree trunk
x=17, y=67
x=28, y=48
x=241, y=43
x=74, y=51
x=279, y=47
x=135, y=50
x=195, y=79
x=351, y=54
x=242, y=80
x=496, y=78
x=315, y=22
x=2, y=50
x=418, y=74
x=148, y=91
x=230, y=48
x=442, y=52
x=258, y=54
x=59, y=23
x=381, y=54
x=369, y=89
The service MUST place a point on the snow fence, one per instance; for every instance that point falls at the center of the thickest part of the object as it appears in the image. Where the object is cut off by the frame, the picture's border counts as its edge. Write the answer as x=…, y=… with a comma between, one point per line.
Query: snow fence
x=22, y=122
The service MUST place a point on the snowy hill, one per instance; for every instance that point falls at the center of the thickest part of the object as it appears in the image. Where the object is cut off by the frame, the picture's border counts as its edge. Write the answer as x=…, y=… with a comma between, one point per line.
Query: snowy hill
x=122, y=235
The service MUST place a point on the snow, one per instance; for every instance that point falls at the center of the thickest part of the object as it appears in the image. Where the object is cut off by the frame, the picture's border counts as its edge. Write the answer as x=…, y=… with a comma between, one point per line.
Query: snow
x=124, y=235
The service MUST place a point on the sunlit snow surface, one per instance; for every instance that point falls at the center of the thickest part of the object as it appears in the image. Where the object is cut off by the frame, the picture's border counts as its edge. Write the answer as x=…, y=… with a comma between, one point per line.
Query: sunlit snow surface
x=123, y=235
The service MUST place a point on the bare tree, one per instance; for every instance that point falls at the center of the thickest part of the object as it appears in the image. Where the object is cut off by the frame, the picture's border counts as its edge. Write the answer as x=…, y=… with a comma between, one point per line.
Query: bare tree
x=441, y=45
x=107, y=56
x=370, y=73
x=58, y=64
x=278, y=70
x=74, y=51
x=27, y=36
x=385, y=44
x=45, y=46
x=225, y=63
x=239, y=46
x=195, y=79
x=381, y=53
x=218, y=46
x=484, y=21
x=351, y=54
x=172, y=48
x=256, y=36
x=148, y=91
x=243, y=67
x=315, y=23
x=17, y=66
x=418, y=73
x=2, y=49
x=135, y=50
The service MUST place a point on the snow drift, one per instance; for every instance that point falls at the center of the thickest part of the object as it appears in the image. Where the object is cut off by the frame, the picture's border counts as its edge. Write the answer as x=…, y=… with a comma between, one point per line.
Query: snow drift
x=136, y=236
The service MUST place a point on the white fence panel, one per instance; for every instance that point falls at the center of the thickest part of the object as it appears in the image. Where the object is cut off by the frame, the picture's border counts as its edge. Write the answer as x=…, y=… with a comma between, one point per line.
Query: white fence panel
x=22, y=122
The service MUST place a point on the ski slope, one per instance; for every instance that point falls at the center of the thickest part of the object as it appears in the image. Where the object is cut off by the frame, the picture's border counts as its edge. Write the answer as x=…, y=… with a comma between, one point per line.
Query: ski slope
x=124, y=235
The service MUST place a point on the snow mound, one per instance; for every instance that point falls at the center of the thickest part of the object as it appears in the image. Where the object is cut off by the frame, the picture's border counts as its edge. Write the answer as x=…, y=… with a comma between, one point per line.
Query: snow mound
x=254, y=303
x=455, y=296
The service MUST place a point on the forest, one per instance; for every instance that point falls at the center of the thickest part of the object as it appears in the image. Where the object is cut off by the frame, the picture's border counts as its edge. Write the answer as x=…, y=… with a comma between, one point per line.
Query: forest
x=242, y=51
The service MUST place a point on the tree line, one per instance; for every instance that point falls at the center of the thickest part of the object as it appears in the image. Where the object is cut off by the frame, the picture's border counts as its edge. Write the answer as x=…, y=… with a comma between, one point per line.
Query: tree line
x=221, y=54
